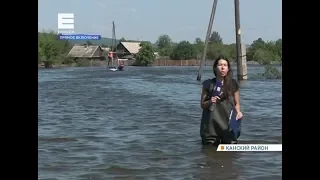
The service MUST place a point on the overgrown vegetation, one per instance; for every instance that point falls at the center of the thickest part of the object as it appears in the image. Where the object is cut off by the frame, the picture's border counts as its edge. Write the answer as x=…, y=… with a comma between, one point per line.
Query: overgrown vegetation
x=271, y=72
x=145, y=56
x=52, y=51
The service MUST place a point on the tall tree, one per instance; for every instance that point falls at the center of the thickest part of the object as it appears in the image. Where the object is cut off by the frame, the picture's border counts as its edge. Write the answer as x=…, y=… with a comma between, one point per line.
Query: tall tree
x=164, y=41
x=215, y=38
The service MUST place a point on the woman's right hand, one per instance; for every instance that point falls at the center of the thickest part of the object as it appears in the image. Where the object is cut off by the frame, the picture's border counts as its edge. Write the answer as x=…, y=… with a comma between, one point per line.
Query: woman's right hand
x=214, y=99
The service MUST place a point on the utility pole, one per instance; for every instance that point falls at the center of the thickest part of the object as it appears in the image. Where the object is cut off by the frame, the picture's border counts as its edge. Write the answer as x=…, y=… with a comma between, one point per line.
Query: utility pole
x=240, y=67
x=213, y=11
x=114, y=39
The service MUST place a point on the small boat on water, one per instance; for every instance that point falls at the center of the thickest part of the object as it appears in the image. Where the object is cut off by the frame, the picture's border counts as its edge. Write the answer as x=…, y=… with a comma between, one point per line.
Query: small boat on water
x=113, y=55
x=120, y=66
x=113, y=69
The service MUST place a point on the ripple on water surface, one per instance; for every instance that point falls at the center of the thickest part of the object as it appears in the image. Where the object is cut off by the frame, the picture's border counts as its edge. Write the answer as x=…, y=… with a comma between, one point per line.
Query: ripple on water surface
x=143, y=123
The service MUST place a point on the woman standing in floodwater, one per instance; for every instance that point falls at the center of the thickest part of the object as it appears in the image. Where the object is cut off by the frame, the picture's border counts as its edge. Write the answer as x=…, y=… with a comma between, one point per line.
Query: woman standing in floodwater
x=215, y=122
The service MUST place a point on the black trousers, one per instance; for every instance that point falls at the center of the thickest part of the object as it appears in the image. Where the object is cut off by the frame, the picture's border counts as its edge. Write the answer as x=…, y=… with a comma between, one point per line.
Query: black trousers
x=226, y=137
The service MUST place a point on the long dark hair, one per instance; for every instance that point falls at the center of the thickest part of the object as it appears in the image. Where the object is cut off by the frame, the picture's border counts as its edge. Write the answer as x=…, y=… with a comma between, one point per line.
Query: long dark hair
x=227, y=82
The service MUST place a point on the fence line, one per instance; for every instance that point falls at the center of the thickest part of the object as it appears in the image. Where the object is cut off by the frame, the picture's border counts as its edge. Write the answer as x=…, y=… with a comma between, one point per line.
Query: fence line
x=169, y=62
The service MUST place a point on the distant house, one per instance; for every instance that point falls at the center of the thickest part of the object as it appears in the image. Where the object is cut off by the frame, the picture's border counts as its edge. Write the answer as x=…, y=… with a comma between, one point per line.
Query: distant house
x=87, y=52
x=128, y=49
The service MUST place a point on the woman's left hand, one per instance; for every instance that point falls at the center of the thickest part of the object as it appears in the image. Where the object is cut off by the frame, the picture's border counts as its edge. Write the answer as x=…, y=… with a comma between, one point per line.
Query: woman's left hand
x=239, y=115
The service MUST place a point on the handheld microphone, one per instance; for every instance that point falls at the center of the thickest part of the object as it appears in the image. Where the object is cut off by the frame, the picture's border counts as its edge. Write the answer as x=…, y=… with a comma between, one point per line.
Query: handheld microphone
x=217, y=89
x=216, y=92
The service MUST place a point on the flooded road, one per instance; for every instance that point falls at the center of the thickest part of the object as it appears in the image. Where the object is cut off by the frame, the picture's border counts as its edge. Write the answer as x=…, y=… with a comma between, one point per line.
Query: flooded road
x=143, y=123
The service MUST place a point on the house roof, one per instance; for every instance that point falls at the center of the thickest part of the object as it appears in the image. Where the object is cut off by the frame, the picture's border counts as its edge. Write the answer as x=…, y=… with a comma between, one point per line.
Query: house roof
x=105, y=49
x=132, y=47
x=83, y=51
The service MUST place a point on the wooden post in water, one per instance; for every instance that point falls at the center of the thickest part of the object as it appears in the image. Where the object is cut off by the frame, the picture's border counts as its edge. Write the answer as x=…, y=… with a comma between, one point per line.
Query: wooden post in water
x=241, y=60
x=203, y=60
x=244, y=62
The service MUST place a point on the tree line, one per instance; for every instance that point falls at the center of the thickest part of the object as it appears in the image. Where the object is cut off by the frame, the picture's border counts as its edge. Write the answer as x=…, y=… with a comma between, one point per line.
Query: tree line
x=51, y=50
x=263, y=52
x=54, y=51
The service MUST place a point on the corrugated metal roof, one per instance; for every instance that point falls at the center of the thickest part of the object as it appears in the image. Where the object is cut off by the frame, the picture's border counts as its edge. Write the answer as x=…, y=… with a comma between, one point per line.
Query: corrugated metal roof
x=132, y=47
x=83, y=51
